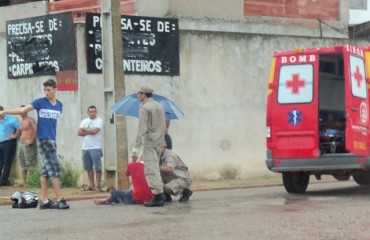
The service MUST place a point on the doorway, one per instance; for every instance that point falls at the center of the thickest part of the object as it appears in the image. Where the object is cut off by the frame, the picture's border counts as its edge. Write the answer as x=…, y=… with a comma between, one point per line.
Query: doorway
x=332, y=114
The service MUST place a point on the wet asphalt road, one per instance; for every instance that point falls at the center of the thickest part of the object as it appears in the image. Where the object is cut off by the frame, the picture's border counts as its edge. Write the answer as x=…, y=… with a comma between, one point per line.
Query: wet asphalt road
x=329, y=211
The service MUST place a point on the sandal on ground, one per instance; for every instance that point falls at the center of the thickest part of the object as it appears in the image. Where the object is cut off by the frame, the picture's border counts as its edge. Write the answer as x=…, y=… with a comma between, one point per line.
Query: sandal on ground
x=97, y=189
x=86, y=189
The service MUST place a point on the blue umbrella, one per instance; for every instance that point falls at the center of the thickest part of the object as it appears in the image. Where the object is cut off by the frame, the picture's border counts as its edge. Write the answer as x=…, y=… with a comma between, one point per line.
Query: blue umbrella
x=130, y=105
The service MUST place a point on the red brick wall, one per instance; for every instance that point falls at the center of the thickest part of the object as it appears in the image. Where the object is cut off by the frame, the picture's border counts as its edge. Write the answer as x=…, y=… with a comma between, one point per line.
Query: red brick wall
x=80, y=7
x=308, y=9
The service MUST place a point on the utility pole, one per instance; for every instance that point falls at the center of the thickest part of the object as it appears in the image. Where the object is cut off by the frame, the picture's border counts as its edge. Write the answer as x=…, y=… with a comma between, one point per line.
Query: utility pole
x=115, y=132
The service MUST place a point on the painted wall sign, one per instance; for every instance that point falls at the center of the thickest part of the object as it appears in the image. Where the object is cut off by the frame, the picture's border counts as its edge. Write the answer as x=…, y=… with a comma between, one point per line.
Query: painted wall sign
x=40, y=45
x=150, y=45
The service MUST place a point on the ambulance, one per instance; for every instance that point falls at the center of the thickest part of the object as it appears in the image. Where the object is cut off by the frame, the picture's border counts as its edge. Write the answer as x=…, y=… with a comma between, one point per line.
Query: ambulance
x=318, y=115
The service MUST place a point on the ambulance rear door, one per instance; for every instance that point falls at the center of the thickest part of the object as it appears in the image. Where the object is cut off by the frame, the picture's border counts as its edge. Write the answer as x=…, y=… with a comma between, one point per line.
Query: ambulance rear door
x=357, y=106
x=294, y=109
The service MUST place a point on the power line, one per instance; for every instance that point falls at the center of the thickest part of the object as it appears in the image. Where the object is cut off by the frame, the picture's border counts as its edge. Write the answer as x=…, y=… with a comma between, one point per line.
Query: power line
x=344, y=32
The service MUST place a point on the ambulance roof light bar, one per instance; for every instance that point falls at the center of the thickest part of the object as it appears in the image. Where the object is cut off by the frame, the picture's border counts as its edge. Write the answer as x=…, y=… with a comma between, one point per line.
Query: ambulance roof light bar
x=299, y=50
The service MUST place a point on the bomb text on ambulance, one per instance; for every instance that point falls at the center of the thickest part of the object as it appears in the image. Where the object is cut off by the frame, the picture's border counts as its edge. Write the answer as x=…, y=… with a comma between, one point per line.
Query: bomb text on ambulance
x=298, y=59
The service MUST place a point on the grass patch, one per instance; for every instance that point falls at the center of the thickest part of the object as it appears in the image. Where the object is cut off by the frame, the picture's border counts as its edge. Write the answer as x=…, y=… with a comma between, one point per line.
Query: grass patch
x=70, y=174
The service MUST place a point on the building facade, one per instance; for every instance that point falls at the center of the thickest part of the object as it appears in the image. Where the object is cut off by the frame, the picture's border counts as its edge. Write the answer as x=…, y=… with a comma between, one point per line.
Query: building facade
x=225, y=50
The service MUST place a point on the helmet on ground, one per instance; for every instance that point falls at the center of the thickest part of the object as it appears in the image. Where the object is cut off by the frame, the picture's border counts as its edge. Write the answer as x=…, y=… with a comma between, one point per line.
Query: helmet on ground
x=24, y=200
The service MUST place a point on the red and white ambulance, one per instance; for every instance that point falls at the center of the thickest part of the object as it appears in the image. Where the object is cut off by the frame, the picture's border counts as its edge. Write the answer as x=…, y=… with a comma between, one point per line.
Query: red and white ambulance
x=318, y=115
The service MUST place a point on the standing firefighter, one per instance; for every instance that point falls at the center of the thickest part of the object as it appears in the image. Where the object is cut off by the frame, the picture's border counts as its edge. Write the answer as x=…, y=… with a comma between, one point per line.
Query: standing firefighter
x=151, y=137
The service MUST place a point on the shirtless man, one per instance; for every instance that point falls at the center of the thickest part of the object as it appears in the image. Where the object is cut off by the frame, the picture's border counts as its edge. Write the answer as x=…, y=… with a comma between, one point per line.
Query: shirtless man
x=27, y=153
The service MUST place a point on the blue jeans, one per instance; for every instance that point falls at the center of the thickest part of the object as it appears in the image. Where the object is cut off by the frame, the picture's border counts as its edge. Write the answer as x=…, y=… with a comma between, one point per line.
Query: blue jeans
x=122, y=196
x=7, y=151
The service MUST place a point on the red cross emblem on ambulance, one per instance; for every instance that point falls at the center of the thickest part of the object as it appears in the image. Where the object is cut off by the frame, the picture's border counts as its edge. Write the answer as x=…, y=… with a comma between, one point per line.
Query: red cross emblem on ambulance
x=358, y=81
x=295, y=83
x=357, y=75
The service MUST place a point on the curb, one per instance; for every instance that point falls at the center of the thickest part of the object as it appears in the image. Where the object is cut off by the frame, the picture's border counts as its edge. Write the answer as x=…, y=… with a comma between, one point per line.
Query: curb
x=5, y=200
x=76, y=195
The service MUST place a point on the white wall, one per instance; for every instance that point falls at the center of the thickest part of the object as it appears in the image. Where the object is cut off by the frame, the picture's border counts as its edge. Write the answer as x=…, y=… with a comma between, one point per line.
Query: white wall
x=224, y=69
x=152, y=8
x=222, y=90
x=359, y=16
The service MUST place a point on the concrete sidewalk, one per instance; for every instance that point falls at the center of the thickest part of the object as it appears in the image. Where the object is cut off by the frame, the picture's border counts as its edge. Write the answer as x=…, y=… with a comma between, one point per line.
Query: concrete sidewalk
x=73, y=194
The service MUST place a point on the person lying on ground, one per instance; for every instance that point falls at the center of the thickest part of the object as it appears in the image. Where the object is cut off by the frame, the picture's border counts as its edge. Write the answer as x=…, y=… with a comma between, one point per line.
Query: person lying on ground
x=139, y=193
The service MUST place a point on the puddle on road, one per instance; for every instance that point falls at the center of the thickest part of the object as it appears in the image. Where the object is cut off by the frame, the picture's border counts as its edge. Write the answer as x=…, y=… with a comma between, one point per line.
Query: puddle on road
x=299, y=203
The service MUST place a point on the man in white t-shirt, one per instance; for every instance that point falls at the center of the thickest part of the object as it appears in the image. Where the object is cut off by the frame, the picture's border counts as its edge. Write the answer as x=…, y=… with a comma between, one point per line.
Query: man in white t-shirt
x=90, y=130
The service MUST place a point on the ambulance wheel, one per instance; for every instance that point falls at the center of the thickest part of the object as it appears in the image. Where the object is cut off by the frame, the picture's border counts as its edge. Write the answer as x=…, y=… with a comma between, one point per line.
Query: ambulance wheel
x=362, y=179
x=295, y=182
